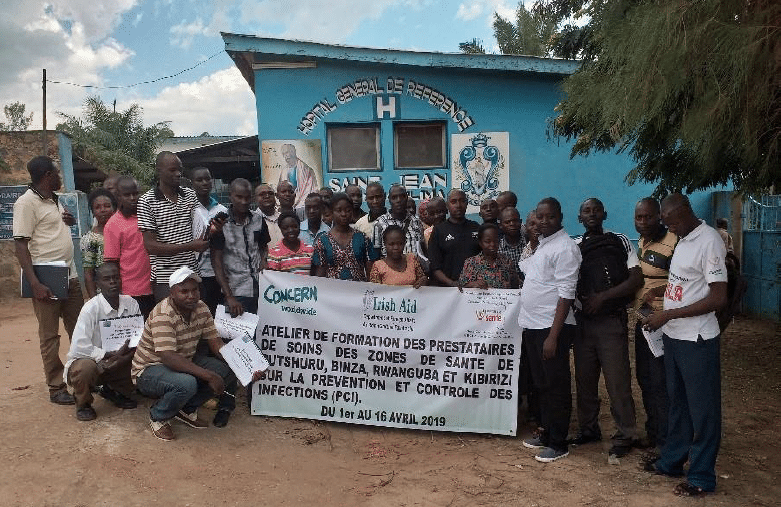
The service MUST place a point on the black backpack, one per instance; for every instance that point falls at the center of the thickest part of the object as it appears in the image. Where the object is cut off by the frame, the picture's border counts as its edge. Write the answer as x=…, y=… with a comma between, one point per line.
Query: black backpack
x=603, y=267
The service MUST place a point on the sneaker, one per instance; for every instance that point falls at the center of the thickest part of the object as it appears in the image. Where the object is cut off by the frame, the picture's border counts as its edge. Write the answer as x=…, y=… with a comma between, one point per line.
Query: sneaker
x=85, y=413
x=191, y=420
x=162, y=430
x=619, y=451
x=62, y=397
x=549, y=454
x=221, y=418
x=533, y=443
x=118, y=399
x=585, y=438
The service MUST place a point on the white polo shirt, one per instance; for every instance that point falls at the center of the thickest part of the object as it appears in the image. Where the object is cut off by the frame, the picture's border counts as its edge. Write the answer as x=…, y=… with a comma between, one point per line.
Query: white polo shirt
x=698, y=260
x=551, y=273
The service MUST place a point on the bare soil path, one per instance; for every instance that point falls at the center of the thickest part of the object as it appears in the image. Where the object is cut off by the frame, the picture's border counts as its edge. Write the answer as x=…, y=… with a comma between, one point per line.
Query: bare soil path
x=51, y=459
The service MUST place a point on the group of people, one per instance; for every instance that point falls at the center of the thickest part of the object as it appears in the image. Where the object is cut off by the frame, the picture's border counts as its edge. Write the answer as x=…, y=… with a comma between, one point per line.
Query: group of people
x=174, y=253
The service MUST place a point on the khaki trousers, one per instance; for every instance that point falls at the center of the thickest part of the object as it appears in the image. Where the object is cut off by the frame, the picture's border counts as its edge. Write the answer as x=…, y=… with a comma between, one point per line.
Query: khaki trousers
x=85, y=374
x=48, y=314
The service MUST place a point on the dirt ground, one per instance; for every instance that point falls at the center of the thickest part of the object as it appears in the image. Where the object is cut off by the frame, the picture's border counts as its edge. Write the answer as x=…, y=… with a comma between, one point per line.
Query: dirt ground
x=54, y=460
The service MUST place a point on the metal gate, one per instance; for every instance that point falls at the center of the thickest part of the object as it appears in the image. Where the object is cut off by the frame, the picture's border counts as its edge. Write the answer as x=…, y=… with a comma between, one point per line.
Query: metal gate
x=761, y=259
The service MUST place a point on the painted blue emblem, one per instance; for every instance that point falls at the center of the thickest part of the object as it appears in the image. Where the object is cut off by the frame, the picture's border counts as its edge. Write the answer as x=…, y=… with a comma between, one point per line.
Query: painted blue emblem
x=480, y=164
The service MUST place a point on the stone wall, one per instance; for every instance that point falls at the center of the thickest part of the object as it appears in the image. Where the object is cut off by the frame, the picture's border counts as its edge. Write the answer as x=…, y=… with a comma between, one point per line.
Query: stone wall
x=16, y=149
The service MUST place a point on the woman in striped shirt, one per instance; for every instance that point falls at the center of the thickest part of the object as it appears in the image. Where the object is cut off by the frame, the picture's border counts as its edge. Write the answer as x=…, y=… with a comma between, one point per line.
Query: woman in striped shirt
x=291, y=254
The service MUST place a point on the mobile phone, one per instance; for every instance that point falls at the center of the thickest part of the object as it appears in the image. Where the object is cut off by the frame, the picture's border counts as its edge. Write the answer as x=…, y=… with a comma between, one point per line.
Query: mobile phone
x=644, y=311
x=221, y=215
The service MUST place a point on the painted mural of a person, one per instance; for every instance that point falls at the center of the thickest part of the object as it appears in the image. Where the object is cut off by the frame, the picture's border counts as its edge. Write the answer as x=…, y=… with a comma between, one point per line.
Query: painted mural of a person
x=300, y=175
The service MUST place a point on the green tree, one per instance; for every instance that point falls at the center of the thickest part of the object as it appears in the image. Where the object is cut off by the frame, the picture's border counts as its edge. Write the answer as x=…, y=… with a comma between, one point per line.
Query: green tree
x=689, y=88
x=529, y=35
x=115, y=141
x=17, y=120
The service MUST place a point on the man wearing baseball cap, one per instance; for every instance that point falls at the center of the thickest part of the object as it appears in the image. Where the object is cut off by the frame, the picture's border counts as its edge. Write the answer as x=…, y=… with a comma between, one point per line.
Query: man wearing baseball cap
x=166, y=365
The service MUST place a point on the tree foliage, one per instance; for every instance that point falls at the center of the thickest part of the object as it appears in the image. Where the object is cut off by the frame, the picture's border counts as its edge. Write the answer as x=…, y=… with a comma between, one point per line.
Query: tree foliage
x=115, y=141
x=530, y=34
x=690, y=88
x=17, y=121
x=472, y=47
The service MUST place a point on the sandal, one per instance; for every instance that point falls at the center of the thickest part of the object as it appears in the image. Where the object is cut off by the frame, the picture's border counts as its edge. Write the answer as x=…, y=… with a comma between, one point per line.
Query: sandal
x=686, y=489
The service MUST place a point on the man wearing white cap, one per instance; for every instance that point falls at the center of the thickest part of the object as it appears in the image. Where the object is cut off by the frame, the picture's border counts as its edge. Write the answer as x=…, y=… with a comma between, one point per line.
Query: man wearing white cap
x=166, y=366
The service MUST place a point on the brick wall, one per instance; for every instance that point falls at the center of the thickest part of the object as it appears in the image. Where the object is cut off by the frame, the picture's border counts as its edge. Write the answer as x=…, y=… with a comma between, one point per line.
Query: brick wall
x=16, y=149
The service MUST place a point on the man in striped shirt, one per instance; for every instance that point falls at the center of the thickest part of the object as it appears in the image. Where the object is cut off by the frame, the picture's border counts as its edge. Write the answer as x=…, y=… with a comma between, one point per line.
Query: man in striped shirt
x=165, y=215
x=165, y=364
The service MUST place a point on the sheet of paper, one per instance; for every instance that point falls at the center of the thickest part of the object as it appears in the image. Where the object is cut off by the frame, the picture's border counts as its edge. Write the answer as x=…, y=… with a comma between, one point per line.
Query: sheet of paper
x=115, y=332
x=230, y=328
x=654, y=339
x=244, y=357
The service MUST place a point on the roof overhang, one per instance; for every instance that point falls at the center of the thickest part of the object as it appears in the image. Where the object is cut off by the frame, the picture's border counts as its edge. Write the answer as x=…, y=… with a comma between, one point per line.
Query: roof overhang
x=251, y=53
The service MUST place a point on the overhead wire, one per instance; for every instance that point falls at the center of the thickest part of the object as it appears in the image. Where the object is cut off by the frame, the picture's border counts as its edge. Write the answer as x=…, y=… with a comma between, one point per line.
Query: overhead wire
x=115, y=87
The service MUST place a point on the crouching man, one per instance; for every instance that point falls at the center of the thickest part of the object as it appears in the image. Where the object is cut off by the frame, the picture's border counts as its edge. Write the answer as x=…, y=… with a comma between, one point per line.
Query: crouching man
x=88, y=365
x=165, y=364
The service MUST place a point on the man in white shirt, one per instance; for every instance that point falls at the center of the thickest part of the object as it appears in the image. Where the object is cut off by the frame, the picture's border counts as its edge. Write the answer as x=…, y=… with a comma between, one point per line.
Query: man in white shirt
x=375, y=200
x=267, y=206
x=549, y=327
x=206, y=208
x=609, y=276
x=88, y=364
x=696, y=289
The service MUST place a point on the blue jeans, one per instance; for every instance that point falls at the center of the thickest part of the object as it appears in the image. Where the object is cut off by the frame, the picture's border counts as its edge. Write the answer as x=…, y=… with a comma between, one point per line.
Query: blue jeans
x=693, y=373
x=182, y=391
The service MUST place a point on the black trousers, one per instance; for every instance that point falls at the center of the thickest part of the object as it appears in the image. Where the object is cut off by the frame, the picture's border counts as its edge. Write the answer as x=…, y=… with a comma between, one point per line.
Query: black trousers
x=211, y=293
x=552, y=377
x=651, y=378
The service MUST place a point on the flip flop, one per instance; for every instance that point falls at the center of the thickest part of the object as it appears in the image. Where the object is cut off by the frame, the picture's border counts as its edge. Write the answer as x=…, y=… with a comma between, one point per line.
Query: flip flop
x=686, y=489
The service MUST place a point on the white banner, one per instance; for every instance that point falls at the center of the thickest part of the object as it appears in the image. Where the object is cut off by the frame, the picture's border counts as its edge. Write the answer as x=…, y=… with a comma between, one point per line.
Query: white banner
x=432, y=358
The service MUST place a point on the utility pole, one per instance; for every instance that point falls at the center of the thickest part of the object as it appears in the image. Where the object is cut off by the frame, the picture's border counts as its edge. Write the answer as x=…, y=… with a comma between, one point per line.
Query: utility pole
x=45, y=141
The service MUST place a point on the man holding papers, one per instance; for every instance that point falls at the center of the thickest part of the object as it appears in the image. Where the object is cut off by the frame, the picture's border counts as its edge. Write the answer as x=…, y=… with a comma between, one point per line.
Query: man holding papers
x=696, y=289
x=89, y=363
x=655, y=251
x=166, y=365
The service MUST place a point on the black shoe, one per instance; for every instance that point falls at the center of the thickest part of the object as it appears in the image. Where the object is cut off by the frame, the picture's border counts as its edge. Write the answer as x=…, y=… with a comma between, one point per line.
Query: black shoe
x=650, y=466
x=619, y=451
x=649, y=457
x=644, y=443
x=221, y=418
x=86, y=413
x=118, y=399
x=62, y=398
x=583, y=439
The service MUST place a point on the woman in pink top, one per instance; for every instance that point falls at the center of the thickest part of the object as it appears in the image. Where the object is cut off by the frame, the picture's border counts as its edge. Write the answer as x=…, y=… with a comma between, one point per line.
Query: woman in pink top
x=397, y=268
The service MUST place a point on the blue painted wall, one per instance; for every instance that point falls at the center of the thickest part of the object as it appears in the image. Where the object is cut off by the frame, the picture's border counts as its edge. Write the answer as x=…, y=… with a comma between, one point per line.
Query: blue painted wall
x=517, y=102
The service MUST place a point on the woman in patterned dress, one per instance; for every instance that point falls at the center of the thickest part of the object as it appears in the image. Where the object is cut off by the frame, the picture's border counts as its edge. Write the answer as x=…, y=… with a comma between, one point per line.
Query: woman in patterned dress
x=343, y=252
x=489, y=269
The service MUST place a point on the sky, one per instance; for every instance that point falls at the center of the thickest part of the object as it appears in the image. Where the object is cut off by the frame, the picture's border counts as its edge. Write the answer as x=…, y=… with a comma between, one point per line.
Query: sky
x=122, y=42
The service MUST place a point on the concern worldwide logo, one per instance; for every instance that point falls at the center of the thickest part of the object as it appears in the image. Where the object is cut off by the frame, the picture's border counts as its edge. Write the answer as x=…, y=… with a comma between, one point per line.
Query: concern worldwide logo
x=283, y=296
